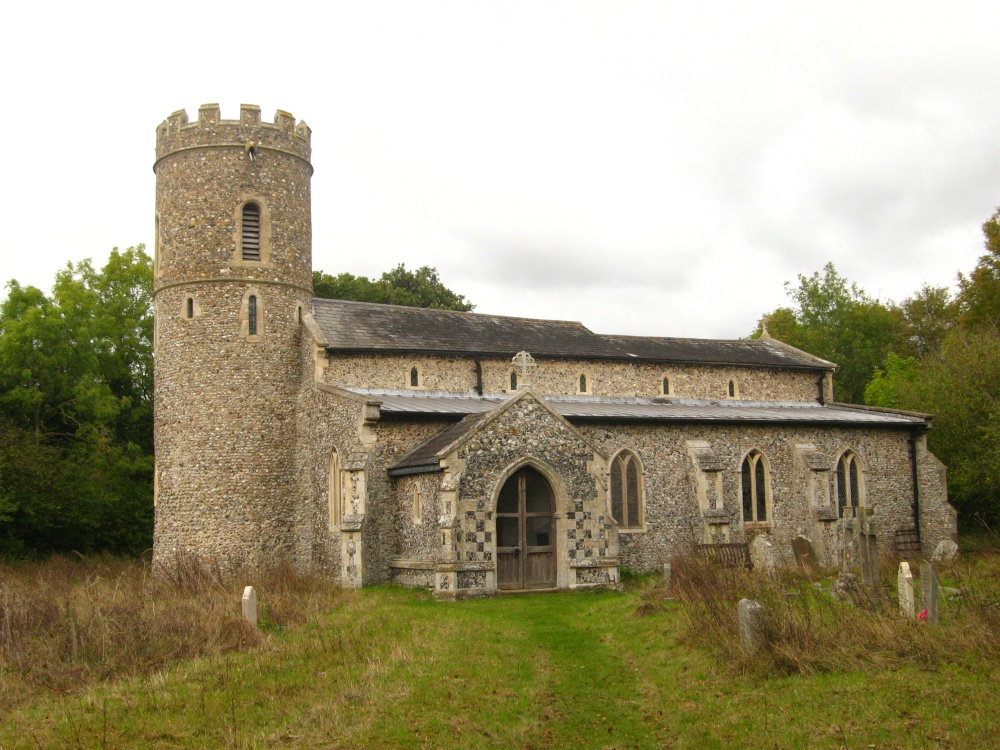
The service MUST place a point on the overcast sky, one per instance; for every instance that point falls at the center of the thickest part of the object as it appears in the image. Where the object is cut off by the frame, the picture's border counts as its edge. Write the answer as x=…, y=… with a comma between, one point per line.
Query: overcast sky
x=654, y=168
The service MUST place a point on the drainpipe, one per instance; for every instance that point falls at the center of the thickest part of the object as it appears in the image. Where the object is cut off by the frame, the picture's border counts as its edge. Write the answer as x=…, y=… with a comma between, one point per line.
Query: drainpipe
x=819, y=385
x=479, y=376
x=916, y=485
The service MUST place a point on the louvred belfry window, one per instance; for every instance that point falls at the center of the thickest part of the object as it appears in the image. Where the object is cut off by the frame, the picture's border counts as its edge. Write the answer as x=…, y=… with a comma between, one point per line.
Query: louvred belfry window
x=250, y=238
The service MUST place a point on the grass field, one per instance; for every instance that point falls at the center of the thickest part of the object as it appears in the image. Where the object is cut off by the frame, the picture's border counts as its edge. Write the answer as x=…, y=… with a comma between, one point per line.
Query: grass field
x=388, y=667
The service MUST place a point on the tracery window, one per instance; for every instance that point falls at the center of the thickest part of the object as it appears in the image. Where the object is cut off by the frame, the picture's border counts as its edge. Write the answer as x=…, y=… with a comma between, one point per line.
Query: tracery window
x=250, y=231
x=755, y=487
x=848, y=481
x=626, y=490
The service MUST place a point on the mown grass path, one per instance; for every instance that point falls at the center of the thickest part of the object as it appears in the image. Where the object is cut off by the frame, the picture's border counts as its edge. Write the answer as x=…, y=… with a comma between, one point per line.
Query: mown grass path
x=391, y=668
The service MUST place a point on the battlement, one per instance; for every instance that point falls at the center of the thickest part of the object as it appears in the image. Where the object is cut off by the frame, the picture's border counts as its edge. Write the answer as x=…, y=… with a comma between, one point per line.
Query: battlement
x=284, y=134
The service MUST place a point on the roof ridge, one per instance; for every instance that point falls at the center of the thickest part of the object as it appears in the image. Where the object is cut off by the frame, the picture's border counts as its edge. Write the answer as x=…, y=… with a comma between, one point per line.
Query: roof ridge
x=467, y=313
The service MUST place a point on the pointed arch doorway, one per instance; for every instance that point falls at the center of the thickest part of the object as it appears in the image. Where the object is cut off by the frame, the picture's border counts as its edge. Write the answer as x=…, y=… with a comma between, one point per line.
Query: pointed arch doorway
x=526, y=550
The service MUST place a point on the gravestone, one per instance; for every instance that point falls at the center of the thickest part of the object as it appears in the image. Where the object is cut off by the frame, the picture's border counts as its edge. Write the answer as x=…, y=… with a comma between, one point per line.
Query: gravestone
x=250, y=605
x=668, y=574
x=761, y=554
x=945, y=552
x=805, y=555
x=904, y=587
x=929, y=591
x=753, y=635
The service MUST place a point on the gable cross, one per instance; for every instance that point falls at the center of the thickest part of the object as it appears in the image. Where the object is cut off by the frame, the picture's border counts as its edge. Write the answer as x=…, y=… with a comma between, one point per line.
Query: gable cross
x=524, y=361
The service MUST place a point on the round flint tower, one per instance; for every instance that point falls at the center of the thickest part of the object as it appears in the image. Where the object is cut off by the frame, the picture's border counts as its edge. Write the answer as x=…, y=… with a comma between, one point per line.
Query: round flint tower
x=233, y=269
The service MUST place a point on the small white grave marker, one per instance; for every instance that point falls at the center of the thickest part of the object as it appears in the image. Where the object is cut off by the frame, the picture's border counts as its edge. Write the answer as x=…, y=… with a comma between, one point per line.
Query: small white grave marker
x=250, y=605
x=904, y=586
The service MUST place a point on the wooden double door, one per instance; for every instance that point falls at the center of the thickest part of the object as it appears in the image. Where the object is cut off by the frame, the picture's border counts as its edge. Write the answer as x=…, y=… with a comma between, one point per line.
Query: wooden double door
x=526, y=549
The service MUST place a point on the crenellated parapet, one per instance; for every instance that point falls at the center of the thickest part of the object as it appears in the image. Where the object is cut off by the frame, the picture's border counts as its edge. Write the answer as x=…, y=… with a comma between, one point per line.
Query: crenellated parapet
x=177, y=133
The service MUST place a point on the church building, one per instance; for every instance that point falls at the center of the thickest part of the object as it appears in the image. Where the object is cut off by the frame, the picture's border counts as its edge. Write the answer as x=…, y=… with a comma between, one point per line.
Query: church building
x=463, y=452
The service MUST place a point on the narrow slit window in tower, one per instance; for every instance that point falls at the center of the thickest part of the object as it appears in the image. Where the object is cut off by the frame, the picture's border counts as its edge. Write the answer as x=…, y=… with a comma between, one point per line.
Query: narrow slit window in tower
x=190, y=307
x=251, y=231
x=252, y=315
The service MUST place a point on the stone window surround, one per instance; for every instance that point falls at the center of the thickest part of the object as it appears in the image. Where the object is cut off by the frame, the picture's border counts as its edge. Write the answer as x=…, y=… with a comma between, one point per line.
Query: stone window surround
x=265, y=234
x=669, y=379
x=408, y=382
x=733, y=384
x=852, y=457
x=190, y=304
x=588, y=380
x=251, y=291
x=640, y=527
x=764, y=462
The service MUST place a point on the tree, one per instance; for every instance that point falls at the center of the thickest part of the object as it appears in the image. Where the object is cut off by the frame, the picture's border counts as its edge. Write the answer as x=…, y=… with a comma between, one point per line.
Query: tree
x=839, y=322
x=979, y=292
x=420, y=288
x=75, y=409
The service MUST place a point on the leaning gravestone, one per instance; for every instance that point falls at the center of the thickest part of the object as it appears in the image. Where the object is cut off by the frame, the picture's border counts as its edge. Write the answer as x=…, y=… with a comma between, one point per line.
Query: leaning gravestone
x=250, y=605
x=761, y=554
x=752, y=633
x=805, y=555
x=945, y=552
x=904, y=586
x=929, y=591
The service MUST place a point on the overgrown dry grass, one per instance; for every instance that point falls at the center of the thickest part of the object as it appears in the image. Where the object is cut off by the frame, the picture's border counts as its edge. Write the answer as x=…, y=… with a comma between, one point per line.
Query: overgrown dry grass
x=811, y=632
x=69, y=622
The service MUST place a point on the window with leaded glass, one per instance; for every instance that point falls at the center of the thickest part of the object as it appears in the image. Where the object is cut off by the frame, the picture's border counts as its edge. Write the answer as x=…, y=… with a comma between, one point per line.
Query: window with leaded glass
x=626, y=490
x=754, y=484
x=848, y=480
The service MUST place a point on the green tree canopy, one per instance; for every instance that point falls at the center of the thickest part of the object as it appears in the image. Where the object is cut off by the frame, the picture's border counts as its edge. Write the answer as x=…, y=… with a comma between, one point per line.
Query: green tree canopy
x=76, y=409
x=420, y=288
x=839, y=322
x=979, y=292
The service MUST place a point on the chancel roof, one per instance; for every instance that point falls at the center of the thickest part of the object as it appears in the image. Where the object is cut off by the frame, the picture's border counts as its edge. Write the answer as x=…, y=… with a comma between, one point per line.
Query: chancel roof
x=363, y=326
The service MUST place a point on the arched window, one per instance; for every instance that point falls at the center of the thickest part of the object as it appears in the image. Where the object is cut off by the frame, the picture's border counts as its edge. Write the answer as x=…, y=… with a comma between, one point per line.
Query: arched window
x=733, y=388
x=333, y=494
x=250, y=231
x=626, y=490
x=414, y=377
x=190, y=307
x=513, y=380
x=252, y=315
x=665, y=386
x=848, y=480
x=755, y=487
x=583, y=382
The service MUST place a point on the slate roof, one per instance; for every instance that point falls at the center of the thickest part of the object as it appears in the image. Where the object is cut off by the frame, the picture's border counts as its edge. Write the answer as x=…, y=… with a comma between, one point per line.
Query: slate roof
x=368, y=327
x=603, y=408
x=423, y=458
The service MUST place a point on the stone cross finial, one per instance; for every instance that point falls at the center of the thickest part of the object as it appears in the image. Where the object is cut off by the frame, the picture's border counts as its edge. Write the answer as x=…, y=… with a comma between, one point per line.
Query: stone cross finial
x=524, y=361
x=764, y=334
